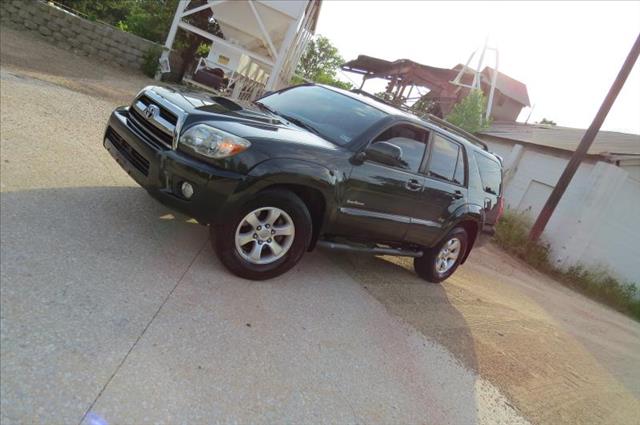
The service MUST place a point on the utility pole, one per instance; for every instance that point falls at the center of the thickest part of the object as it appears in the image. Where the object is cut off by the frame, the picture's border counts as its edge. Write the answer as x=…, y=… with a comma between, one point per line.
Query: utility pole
x=585, y=144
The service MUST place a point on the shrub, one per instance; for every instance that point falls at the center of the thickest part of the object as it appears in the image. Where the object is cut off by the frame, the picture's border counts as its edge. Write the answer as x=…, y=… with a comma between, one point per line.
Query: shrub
x=512, y=235
x=468, y=114
x=150, y=62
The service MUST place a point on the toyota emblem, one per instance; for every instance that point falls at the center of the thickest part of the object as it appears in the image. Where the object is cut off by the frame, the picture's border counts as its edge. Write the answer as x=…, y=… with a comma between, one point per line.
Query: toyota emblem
x=151, y=111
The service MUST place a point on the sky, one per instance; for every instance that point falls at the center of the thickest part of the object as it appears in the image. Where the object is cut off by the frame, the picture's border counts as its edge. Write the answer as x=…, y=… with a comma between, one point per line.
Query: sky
x=567, y=53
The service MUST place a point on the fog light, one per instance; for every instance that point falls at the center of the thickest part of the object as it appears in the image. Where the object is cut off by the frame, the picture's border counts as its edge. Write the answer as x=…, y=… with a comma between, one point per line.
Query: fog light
x=187, y=190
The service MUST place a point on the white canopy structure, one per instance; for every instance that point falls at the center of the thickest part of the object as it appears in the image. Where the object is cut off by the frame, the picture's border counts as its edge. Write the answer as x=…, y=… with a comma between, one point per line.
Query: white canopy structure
x=263, y=40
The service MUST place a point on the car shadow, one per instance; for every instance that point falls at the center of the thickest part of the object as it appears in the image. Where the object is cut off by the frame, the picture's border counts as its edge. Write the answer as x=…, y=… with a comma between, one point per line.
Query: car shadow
x=425, y=306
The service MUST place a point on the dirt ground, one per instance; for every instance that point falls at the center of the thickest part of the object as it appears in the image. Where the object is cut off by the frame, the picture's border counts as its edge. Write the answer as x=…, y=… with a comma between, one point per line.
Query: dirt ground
x=559, y=357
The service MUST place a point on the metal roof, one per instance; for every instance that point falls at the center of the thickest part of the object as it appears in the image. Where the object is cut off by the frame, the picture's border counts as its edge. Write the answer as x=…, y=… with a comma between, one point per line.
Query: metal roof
x=565, y=138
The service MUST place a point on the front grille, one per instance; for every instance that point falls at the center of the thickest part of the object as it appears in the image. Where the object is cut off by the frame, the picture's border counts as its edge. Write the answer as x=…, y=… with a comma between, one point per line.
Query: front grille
x=158, y=137
x=164, y=113
x=158, y=129
x=132, y=155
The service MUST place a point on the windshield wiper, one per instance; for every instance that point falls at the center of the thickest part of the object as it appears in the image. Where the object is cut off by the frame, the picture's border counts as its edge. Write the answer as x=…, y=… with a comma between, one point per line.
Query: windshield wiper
x=294, y=120
x=301, y=123
x=265, y=107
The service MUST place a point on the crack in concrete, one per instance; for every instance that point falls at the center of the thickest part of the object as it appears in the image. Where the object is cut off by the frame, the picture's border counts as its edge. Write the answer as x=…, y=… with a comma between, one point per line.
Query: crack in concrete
x=124, y=359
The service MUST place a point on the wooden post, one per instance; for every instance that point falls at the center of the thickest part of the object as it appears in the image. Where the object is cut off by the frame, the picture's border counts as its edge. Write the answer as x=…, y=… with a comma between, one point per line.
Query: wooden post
x=585, y=144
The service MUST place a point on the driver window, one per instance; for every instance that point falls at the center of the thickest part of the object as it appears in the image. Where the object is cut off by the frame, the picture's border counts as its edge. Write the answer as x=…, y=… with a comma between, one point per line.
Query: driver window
x=412, y=140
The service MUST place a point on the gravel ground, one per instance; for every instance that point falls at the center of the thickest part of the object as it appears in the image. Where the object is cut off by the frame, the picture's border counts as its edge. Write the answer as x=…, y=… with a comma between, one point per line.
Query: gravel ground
x=114, y=307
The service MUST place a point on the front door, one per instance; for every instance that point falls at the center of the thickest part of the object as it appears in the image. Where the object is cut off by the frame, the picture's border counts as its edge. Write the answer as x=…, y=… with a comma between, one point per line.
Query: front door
x=377, y=201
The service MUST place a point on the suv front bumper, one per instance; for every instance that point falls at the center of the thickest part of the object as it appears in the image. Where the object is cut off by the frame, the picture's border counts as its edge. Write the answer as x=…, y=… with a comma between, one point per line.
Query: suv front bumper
x=162, y=171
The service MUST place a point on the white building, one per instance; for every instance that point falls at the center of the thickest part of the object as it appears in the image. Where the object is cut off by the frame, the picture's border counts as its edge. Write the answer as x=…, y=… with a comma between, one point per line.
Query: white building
x=259, y=45
x=597, y=222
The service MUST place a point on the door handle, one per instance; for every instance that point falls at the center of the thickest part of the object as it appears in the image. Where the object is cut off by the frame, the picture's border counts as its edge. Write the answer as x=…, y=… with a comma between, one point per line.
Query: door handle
x=457, y=194
x=413, y=184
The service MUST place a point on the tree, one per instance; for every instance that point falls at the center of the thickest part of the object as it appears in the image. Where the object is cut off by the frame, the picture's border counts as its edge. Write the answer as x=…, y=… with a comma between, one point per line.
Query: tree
x=546, y=121
x=319, y=63
x=468, y=114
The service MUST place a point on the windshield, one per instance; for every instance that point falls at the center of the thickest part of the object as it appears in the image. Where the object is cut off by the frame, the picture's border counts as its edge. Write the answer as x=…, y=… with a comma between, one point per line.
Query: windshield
x=334, y=116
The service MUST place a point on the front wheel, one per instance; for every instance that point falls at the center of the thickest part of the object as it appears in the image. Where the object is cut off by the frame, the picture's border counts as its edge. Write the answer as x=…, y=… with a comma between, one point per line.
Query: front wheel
x=266, y=237
x=438, y=263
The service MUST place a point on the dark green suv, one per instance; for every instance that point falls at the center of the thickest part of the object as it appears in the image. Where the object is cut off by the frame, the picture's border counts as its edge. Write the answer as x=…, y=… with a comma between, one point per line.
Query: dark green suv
x=311, y=165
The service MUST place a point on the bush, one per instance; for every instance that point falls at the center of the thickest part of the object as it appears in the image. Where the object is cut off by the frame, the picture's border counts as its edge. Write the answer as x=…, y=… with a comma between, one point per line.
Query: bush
x=468, y=114
x=512, y=235
x=150, y=63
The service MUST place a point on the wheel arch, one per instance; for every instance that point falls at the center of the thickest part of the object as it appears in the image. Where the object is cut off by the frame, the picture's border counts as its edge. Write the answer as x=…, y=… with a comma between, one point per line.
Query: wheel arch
x=470, y=217
x=313, y=183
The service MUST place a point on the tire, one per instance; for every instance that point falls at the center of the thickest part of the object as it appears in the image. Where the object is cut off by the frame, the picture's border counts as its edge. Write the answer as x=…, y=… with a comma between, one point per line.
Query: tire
x=250, y=261
x=430, y=266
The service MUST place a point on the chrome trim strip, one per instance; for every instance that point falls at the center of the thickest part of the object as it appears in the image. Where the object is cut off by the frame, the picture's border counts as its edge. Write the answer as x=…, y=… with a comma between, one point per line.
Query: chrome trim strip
x=391, y=217
x=427, y=223
x=373, y=214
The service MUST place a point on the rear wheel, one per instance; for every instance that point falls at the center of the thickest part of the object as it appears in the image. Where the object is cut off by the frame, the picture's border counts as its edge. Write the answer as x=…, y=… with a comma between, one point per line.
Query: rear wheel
x=438, y=263
x=266, y=237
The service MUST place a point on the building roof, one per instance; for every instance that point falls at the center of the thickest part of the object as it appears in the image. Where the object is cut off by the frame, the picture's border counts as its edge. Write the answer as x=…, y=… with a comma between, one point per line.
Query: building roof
x=508, y=86
x=606, y=143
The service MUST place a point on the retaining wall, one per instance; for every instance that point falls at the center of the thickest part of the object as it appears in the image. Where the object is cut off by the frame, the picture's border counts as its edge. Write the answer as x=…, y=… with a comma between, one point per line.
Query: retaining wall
x=71, y=32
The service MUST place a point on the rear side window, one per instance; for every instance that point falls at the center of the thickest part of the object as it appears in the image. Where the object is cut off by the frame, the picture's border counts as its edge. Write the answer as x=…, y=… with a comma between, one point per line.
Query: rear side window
x=446, y=162
x=490, y=174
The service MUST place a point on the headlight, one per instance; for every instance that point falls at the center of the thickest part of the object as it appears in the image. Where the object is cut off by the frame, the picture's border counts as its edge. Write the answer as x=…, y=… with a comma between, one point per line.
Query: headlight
x=212, y=142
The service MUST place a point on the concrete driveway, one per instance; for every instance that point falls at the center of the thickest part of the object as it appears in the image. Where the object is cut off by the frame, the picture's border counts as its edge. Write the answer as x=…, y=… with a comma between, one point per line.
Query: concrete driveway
x=114, y=310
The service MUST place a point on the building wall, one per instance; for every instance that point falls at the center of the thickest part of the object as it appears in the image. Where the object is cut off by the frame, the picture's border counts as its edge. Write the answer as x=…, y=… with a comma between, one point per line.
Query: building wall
x=616, y=239
x=80, y=35
x=594, y=224
x=504, y=108
x=633, y=170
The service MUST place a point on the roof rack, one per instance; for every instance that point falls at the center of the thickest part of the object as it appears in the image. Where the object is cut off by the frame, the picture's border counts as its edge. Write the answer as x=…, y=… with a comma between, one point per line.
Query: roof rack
x=432, y=118
x=456, y=130
x=374, y=97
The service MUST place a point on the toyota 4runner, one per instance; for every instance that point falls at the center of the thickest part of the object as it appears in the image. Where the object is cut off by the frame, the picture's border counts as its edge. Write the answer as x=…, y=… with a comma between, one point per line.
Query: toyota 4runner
x=311, y=165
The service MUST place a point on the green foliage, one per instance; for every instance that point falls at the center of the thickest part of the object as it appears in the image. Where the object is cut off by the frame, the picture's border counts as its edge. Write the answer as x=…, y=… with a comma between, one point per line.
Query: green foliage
x=109, y=11
x=320, y=58
x=547, y=122
x=468, y=114
x=319, y=63
x=203, y=50
x=151, y=19
x=150, y=62
x=512, y=235
x=148, y=19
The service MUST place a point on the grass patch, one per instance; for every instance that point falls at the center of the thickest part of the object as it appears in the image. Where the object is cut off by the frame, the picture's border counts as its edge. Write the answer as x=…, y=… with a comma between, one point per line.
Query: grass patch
x=512, y=235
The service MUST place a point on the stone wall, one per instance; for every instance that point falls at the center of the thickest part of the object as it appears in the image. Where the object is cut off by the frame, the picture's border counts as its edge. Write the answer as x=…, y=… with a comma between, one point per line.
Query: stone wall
x=71, y=32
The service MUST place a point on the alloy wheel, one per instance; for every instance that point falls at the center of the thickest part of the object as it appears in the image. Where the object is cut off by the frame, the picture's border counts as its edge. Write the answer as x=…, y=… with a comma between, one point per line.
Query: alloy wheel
x=264, y=235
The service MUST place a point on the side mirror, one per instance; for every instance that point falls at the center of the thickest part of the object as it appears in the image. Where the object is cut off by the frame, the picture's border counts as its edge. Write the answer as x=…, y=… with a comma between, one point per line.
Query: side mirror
x=384, y=153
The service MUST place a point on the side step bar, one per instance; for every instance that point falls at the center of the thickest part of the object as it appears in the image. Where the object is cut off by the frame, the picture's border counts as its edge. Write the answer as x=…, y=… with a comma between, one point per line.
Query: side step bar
x=373, y=250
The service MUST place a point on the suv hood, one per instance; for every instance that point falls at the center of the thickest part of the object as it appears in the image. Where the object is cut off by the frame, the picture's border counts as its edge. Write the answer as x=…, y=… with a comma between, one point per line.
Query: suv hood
x=249, y=123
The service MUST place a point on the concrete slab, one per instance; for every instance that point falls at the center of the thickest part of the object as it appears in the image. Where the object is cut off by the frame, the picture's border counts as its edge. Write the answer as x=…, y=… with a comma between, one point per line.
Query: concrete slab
x=83, y=272
x=309, y=347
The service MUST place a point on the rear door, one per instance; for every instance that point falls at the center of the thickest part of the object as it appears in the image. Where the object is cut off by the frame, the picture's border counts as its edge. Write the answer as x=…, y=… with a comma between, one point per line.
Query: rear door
x=378, y=200
x=490, y=171
x=444, y=190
